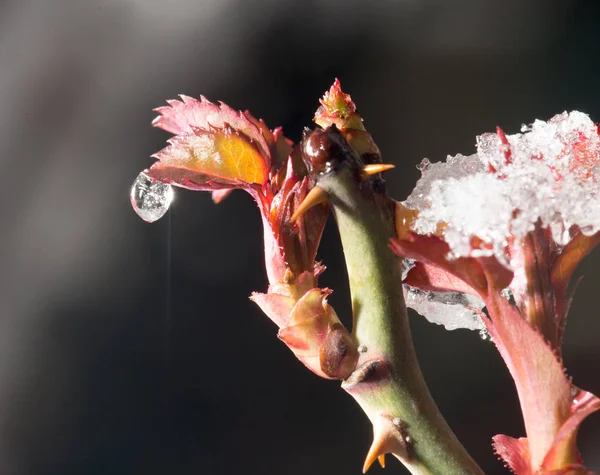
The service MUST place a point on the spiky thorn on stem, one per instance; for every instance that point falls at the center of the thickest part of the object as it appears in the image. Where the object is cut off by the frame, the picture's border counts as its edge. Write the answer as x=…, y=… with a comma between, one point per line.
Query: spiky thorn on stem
x=387, y=382
x=317, y=195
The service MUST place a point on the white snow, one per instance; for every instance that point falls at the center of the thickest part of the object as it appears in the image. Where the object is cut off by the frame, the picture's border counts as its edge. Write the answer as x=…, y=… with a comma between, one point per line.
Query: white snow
x=552, y=175
x=450, y=309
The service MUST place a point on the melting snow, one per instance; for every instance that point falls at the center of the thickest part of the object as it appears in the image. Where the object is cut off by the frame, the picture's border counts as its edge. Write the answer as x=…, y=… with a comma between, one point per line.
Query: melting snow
x=550, y=172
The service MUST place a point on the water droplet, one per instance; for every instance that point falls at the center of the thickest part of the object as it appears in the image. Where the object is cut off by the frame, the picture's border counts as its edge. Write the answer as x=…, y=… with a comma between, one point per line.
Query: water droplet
x=362, y=349
x=397, y=422
x=150, y=198
x=484, y=334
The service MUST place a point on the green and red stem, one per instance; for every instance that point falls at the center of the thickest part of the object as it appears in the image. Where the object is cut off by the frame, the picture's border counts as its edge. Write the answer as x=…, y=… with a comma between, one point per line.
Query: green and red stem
x=387, y=383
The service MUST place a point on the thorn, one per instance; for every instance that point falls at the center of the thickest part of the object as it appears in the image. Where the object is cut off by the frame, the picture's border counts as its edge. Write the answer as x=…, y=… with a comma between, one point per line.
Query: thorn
x=374, y=168
x=378, y=449
x=369, y=460
x=387, y=438
x=314, y=197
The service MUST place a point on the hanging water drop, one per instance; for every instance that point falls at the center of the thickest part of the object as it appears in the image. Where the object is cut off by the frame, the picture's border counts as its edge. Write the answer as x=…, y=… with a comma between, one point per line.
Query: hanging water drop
x=485, y=335
x=150, y=198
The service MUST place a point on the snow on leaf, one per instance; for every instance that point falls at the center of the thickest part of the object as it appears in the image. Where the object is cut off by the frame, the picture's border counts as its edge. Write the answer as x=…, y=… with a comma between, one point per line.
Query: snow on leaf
x=478, y=219
x=211, y=159
x=552, y=176
x=457, y=167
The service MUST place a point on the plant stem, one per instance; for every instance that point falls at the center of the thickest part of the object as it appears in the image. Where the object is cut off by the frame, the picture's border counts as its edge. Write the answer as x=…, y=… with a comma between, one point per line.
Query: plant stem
x=388, y=383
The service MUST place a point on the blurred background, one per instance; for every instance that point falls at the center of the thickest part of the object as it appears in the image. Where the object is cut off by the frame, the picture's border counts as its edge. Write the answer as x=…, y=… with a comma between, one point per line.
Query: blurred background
x=129, y=348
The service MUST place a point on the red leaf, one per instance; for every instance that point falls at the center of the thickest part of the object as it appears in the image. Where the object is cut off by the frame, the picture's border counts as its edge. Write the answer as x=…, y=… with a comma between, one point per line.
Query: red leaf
x=562, y=272
x=300, y=240
x=276, y=306
x=432, y=278
x=570, y=257
x=337, y=108
x=280, y=147
x=181, y=117
x=564, y=447
x=309, y=324
x=433, y=252
x=514, y=452
x=544, y=390
x=211, y=159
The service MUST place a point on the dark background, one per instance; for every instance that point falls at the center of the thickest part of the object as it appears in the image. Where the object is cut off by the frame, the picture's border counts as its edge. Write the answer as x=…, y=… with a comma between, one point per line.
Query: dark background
x=128, y=348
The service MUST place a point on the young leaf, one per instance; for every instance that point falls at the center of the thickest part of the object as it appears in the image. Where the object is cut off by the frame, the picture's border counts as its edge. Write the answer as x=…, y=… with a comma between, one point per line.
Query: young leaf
x=211, y=159
x=181, y=117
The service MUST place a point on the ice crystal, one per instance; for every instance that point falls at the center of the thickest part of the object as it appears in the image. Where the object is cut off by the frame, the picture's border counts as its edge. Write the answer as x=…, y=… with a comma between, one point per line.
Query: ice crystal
x=550, y=173
x=484, y=204
x=150, y=199
x=453, y=310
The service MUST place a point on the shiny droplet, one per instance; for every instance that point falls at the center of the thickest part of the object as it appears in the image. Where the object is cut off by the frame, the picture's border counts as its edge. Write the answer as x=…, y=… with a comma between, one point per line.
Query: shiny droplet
x=150, y=198
x=484, y=334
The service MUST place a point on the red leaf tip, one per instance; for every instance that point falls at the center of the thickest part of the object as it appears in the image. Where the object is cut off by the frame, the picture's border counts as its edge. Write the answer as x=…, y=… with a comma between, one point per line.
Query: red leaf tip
x=183, y=116
x=337, y=108
x=514, y=453
x=335, y=100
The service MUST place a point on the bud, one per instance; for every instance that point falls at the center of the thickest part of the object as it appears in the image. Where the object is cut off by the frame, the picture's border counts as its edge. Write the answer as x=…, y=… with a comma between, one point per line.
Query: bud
x=310, y=327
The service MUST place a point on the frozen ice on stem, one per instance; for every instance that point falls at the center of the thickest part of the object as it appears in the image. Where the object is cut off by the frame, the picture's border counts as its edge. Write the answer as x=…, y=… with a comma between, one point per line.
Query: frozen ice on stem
x=150, y=198
x=453, y=310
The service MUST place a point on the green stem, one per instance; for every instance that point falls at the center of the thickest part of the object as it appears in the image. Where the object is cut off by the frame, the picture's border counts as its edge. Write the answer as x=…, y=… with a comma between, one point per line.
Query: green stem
x=388, y=383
